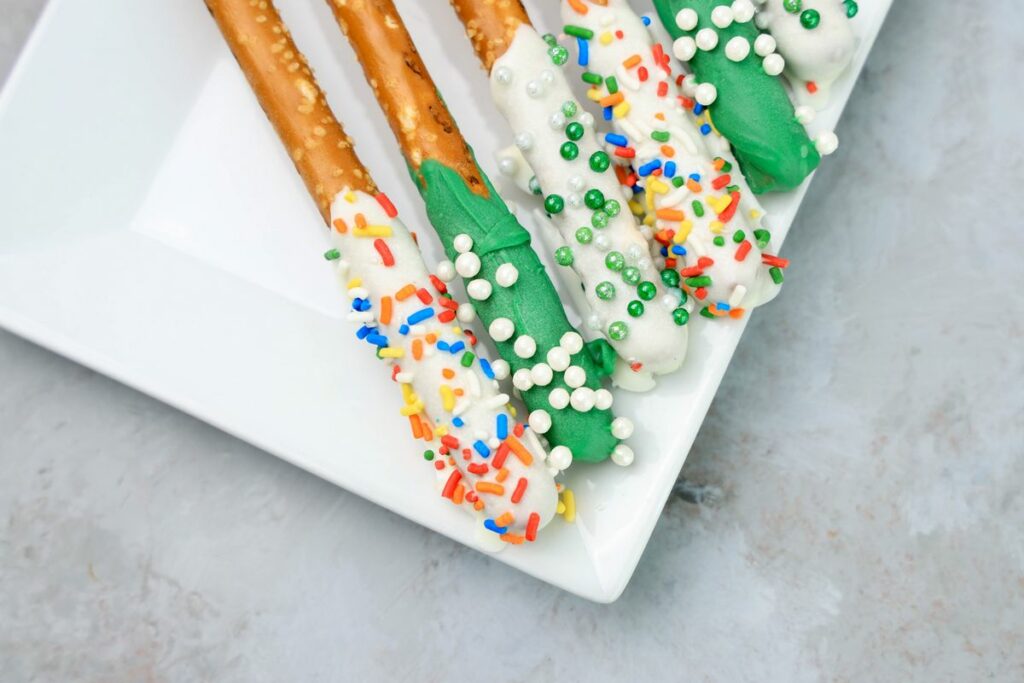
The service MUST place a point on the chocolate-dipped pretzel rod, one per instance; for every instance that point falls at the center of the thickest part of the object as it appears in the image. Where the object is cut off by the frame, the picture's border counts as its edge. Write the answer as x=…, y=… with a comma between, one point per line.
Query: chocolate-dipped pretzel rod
x=558, y=376
x=483, y=458
x=642, y=311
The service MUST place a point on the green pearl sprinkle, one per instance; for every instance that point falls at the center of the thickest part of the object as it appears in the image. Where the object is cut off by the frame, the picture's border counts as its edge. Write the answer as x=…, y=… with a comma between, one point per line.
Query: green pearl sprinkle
x=569, y=151
x=554, y=203
x=635, y=308
x=599, y=220
x=810, y=19
x=681, y=316
x=719, y=241
x=563, y=256
x=332, y=255
x=631, y=276
x=618, y=330
x=584, y=235
x=605, y=290
x=574, y=131
x=615, y=261
x=428, y=455
x=534, y=185
x=599, y=162
x=792, y=6
x=594, y=199
x=670, y=277
x=612, y=208
x=646, y=290
x=550, y=39
x=851, y=9
x=569, y=109
x=559, y=55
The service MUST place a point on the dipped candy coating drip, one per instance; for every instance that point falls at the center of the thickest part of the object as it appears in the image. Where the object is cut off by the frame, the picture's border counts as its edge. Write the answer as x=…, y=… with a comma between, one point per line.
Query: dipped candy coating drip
x=491, y=25
x=749, y=104
x=486, y=245
x=705, y=222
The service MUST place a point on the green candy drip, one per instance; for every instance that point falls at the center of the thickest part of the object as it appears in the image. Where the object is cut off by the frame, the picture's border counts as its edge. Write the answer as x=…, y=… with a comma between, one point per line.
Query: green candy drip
x=532, y=303
x=752, y=109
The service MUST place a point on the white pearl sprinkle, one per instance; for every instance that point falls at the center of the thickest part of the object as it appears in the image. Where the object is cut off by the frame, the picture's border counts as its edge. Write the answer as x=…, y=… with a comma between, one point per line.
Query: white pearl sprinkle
x=445, y=271
x=742, y=11
x=558, y=359
x=722, y=16
x=500, y=368
x=462, y=243
x=764, y=45
x=582, y=399
x=542, y=374
x=575, y=376
x=535, y=89
x=773, y=64
x=501, y=329
x=587, y=119
x=601, y=242
x=540, y=421
x=558, y=398
x=466, y=313
x=575, y=200
x=707, y=39
x=622, y=455
x=522, y=380
x=686, y=19
x=603, y=399
x=594, y=321
x=503, y=74
x=826, y=143
x=571, y=342
x=507, y=166
x=524, y=346
x=524, y=141
x=706, y=94
x=560, y=457
x=684, y=48
x=622, y=428
x=547, y=76
x=557, y=121
x=479, y=289
x=467, y=264
x=506, y=275
x=805, y=114
x=737, y=49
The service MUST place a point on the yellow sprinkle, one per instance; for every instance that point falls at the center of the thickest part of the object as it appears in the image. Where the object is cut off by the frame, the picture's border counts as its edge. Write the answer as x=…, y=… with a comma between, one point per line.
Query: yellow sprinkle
x=649, y=198
x=594, y=94
x=754, y=214
x=656, y=186
x=447, y=397
x=350, y=197
x=412, y=409
x=636, y=207
x=372, y=231
x=354, y=282
x=716, y=226
x=683, y=232
x=392, y=352
x=720, y=203
x=441, y=430
x=407, y=394
x=621, y=110
x=569, y=501
x=560, y=508
x=649, y=219
x=605, y=38
x=511, y=410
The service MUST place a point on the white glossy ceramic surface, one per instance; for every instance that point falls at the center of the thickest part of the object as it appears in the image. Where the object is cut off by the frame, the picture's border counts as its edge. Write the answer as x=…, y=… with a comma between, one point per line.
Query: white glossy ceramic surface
x=152, y=227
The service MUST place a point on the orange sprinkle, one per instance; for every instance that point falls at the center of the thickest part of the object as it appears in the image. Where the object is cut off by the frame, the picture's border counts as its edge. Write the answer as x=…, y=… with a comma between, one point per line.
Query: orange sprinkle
x=417, y=426
x=611, y=100
x=488, y=487
x=517, y=495
x=459, y=392
x=459, y=494
x=360, y=220
x=385, y=310
x=668, y=150
x=478, y=505
x=340, y=225
x=502, y=476
x=578, y=7
x=505, y=519
x=514, y=539
x=520, y=450
x=693, y=185
x=417, y=349
x=719, y=164
x=431, y=338
x=736, y=313
x=630, y=62
x=405, y=292
x=448, y=373
x=428, y=433
x=670, y=214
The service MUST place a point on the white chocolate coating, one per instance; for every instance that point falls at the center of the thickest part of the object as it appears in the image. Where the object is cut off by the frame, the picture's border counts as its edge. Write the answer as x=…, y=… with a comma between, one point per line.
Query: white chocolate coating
x=444, y=399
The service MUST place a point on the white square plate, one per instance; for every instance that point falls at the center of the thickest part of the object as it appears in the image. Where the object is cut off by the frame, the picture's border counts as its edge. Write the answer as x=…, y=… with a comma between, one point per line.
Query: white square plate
x=153, y=228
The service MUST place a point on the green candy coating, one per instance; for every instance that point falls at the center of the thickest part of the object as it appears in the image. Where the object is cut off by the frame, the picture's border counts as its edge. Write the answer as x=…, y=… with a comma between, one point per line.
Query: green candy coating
x=554, y=203
x=574, y=131
x=600, y=162
x=615, y=261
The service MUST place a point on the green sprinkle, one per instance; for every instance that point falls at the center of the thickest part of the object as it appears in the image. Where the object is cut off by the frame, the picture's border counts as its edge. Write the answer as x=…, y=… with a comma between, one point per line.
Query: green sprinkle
x=699, y=281
x=467, y=359
x=428, y=455
x=726, y=166
x=599, y=219
x=612, y=207
x=631, y=275
x=681, y=316
x=558, y=54
x=660, y=135
x=719, y=241
x=739, y=236
x=569, y=108
x=605, y=290
x=584, y=235
x=678, y=181
x=612, y=85
x=554, y=203
x=706, y=312
x=810, y=19
x=550, y=39
x=776, y=274
x=698, y=208
x=332, y=254
x=578, y=32
x=563, y=256
x=647, y=290
x=670, y=277
x=569, y=151
x=851, y=8
x=635, y=308
x=732, y=188
x=762, y=237
x=792, y=6
x=592, y=78
x=618, y=330
x=599, y=162
x=574, y=131
x=615, y=261
x=594, y=199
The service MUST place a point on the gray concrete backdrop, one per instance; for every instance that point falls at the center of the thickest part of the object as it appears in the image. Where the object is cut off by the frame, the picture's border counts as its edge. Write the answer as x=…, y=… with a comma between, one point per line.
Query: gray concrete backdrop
x=868, y=442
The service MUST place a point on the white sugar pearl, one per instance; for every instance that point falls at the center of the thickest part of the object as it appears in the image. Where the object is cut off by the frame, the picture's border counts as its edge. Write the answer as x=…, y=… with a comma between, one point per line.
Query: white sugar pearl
x=557, y=121
x=445, y=271
x=582, y=399
x=548, y=76
x=571, y=342
x=558, y=398
x=479, y=289
x=762, y=19
x=522, y=380
x=773, y=64
x=686, y=19
x=707, y=39
x=575, y=376
x=706, y=94
x=524, y=141
x=507, y=166
x=506, y=275
x=669, y=301
x=594, y=321
x=468, y=264
x=503, y=74
x=826, y=143
x=737, y=49
x=575, y=200
x=689, y=85
x=601, y=242
x=542, y=374
x=466, y=313
x=742, y=11
x=764, y=45
x=587, y=119
x=577, y=183
x=535, y=89
x=540, y=421
x=501, y=329
x=524, y=346
x=634, y=252
x=500, y=368
x=722, y=16
x=558, y=359
x=684, y=48
x=462, y=243
x=603, y=399
x=560, y=457
x=622, y=455
x=622, y=428
x=805, y=114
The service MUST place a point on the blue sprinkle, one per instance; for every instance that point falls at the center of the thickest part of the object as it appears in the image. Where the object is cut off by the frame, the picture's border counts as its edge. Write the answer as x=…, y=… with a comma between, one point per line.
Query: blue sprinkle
x=646, y=19
x=607, y=113
x=695, y=177
x=365, y=305
x=456, y=347
x=664, y=251
x=442, y=346
x=722, y=306
x=490, y=525
x=617, y=140
x=377, y=339
x=421, y=315
x=649, y=168
x=356, y=303
x=363, y=331
x=502, y=425
x=584, y=57
x=705, y=129
x=698, y=109
x=679, y=250
x=482, y=448
x=670, y=169
x=404, y=329
x=457, y=422
x=485, y=365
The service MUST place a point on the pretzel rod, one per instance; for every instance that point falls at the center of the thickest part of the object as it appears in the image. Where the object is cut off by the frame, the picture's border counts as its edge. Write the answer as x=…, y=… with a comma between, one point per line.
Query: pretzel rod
x=484, y=460
x=491, y=25
x=557, y=376
x=642, y=312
